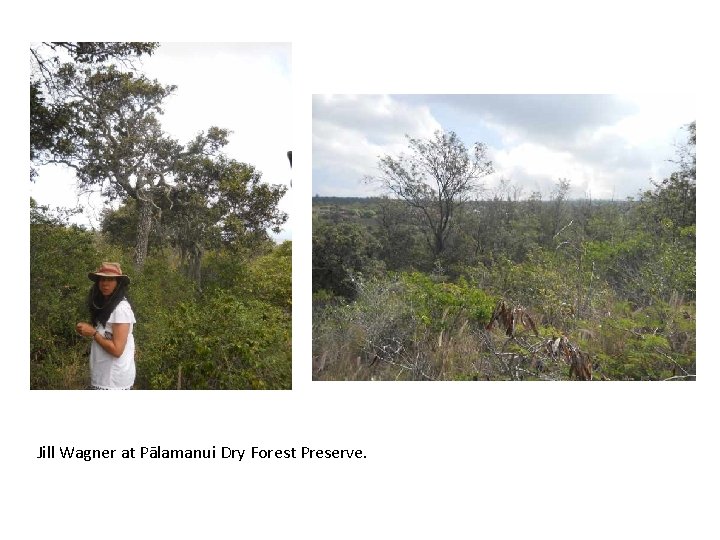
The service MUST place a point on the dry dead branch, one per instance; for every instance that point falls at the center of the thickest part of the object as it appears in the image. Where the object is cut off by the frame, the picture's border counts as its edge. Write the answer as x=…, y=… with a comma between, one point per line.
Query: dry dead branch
x=579, y=362
x=508, y=318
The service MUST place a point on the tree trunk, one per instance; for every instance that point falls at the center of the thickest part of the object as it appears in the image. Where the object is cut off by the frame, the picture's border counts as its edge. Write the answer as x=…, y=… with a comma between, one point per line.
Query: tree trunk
x=439, y=244
x=194, y=265
x=143, y=232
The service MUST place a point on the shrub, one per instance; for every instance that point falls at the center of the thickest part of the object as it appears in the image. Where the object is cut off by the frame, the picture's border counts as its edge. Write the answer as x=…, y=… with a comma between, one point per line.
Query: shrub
x=442, y=305
x=403, y=326
x=60, y=258
x=221, y=342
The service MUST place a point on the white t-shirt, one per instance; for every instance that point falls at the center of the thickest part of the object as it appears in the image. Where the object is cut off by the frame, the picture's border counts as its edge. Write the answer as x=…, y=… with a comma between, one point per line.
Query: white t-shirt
x=107, y=371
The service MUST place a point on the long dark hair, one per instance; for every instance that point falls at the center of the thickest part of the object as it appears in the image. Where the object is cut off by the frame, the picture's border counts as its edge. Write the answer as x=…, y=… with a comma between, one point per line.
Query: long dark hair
x=100, y=308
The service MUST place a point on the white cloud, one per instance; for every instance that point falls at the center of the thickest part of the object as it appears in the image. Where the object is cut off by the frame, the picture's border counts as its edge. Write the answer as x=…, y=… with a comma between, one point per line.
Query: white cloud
x=350, y=133
x=657, y=119
x=537, y=168
x=379, y=118
x=533, y=159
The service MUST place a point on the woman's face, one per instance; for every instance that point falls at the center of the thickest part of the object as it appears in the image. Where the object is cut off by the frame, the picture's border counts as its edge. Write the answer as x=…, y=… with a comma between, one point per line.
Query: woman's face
x=107, y=286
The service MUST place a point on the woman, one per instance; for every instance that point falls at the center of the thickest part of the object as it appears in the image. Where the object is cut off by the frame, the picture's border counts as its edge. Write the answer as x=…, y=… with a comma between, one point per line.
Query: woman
x=112, y=354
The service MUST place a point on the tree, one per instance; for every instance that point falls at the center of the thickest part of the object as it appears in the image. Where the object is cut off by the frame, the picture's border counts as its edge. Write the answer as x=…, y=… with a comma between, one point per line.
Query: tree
x=101, y=121
x=556, y=217
x=219, y=201
x=119, y=227
x=50, y=112
x=116, y=141
x=670, y=206
x=213, y=202
x=436, y=177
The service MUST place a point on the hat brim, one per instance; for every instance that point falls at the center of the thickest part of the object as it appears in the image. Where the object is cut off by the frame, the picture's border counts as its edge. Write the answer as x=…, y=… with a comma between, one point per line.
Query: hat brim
x=95, y=276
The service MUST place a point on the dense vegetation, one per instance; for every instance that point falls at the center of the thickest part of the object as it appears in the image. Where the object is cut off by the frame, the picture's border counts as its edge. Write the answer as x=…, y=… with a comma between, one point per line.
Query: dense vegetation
x=521, y=287
x=210, y=290
x=232, y=331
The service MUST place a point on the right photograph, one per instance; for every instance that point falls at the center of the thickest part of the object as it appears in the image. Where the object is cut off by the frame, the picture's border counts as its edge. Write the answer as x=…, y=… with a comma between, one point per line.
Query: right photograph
x=509, y=237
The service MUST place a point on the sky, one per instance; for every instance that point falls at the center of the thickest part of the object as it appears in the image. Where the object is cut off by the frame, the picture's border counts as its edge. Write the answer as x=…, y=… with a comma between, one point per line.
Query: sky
x=607, y=146
x=244, y=87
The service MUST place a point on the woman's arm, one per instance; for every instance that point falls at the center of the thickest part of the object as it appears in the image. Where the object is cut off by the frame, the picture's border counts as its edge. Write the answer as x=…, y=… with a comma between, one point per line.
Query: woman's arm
x=116, y=345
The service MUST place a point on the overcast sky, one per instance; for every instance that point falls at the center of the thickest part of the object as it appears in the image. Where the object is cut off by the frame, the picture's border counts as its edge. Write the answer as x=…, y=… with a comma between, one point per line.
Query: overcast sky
x=244, y=87
x=606, y=145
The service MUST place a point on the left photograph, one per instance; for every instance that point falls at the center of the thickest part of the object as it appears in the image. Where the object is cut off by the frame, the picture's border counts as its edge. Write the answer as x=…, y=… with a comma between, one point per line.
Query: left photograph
x=160, y=225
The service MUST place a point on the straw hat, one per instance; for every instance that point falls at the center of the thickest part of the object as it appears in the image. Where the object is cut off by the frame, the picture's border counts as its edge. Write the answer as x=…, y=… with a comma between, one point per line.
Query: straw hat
x=109, y=269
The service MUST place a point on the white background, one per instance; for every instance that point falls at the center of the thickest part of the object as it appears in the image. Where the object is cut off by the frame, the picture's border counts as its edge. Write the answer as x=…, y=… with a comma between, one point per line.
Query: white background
x=445, y=460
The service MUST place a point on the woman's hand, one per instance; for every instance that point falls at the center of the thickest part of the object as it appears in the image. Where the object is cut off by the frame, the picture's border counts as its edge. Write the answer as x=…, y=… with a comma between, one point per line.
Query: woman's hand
x=84, y=329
